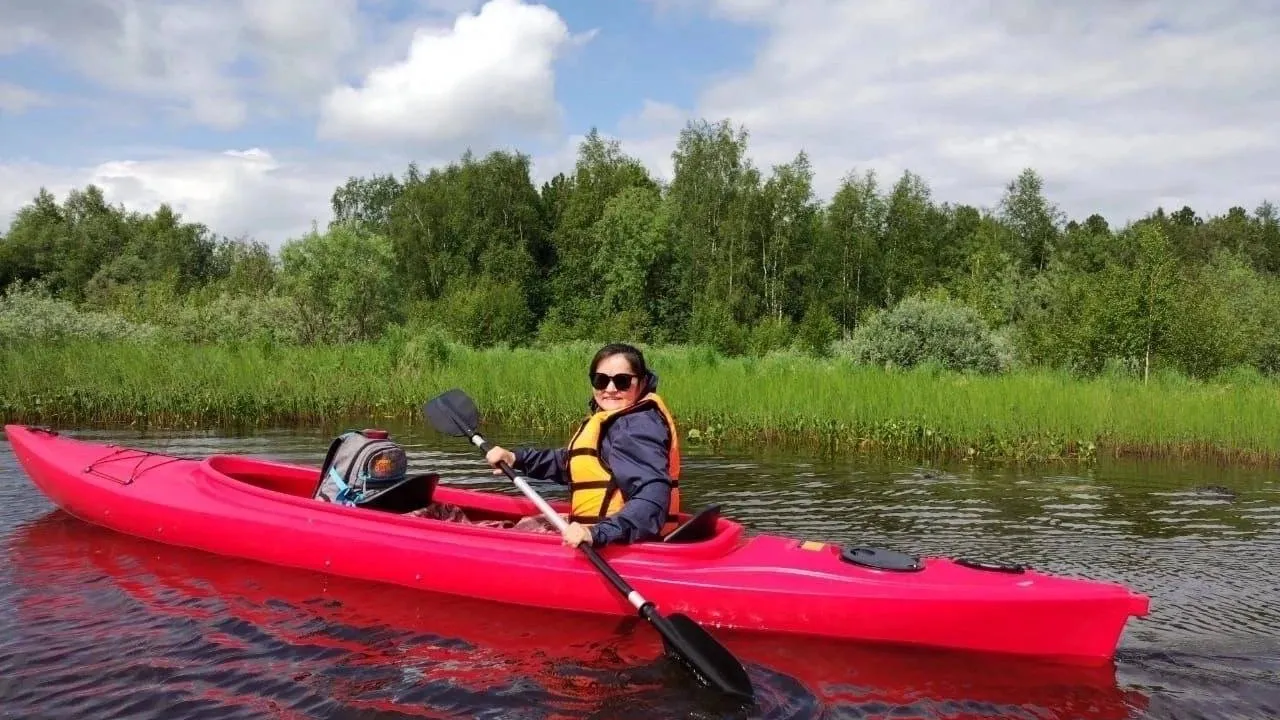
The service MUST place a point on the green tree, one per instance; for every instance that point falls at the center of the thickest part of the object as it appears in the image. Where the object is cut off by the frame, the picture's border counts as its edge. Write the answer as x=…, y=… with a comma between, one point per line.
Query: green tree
x=366, y=202
x=602, y=172
x=853, y=231
x=1032, y=219
x=713, y=206
x=913, y=229
x=343, y=282
x=244, y=266
x=785, y=249
x=631, y=254
x=1155, y=282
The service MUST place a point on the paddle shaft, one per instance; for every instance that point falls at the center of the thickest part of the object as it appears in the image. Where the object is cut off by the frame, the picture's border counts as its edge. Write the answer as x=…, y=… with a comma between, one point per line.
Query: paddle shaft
x=455, y=413
x=633, y=596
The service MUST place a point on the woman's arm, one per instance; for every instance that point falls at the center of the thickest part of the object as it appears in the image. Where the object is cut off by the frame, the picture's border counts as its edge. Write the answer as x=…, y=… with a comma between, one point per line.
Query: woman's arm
x=636, y=450
x=544, y=464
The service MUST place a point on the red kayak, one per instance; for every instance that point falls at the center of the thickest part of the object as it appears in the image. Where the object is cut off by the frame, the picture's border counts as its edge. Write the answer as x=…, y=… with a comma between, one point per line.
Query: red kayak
x=710, y=569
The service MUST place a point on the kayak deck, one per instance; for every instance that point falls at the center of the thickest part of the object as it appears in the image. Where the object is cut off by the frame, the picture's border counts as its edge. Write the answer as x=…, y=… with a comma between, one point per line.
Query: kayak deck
x=263, y=510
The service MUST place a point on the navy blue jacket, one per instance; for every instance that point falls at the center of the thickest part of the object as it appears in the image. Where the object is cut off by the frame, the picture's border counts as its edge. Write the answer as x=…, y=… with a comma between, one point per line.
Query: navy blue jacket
x=635, y=450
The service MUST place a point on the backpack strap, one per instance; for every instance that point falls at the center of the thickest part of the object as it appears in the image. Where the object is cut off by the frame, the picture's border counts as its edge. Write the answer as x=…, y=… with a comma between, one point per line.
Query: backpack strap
x=340, y=479
x=333, y=450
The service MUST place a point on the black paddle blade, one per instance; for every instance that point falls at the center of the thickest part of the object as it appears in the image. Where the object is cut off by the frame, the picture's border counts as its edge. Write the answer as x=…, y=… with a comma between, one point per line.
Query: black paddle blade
x=693, y=647
x=453, y=413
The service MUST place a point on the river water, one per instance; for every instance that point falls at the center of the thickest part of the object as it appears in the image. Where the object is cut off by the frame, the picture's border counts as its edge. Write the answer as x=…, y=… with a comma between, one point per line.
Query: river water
x=96, y=624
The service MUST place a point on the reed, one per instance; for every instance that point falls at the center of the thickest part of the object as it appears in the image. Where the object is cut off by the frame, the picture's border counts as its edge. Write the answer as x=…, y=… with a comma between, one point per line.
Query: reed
x=832, y=406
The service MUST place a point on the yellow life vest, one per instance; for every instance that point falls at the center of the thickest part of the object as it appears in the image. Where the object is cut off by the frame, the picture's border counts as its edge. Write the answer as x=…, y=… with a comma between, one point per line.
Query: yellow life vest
x=593, y=493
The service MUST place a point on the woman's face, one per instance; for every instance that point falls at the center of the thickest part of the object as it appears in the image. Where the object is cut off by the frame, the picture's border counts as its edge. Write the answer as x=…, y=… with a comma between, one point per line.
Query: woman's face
x=611, y=398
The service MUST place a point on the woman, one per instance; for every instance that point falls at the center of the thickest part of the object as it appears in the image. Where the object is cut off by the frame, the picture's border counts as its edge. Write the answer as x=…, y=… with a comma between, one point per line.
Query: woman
x=622, y=466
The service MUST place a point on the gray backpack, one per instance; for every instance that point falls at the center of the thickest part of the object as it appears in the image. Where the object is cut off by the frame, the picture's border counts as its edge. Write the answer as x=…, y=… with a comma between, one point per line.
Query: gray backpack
x=360, y=466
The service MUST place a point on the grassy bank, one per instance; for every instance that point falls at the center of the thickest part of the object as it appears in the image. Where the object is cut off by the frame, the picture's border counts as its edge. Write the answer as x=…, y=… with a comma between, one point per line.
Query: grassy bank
x=830, y=405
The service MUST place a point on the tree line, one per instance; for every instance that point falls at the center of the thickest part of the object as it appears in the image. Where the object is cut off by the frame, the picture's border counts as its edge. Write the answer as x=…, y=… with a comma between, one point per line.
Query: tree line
x=726, y=254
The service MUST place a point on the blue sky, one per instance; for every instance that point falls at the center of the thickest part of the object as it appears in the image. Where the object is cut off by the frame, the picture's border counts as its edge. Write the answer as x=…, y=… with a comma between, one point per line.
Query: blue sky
x=244, y=114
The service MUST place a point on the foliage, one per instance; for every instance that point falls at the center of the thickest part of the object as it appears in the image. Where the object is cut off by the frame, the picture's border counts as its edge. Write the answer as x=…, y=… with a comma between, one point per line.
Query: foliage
x=727, y=255
x=271, y=319
x=770, y=335
x=487, y=313
x=428, y=350
x=29, y=314
x=922, y=330
x=817, y=330
x=343, y=284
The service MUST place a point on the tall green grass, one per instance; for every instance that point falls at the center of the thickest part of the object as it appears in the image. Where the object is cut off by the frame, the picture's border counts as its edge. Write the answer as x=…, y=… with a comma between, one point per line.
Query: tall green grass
x=830, y=405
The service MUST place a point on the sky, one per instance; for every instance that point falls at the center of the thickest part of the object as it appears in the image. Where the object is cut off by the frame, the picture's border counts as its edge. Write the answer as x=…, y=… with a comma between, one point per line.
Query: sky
x=246, y=114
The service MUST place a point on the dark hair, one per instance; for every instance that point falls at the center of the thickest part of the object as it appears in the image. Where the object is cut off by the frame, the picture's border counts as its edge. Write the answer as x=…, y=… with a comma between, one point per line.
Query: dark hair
x=634, y=357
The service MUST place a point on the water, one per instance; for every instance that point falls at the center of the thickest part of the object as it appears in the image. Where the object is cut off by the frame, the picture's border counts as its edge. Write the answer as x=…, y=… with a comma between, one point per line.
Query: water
x=96, y=624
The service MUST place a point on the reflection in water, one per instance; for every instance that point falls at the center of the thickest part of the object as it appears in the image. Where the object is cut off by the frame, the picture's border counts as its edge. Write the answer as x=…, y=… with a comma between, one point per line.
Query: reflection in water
x=96, y=624
x=218, y=632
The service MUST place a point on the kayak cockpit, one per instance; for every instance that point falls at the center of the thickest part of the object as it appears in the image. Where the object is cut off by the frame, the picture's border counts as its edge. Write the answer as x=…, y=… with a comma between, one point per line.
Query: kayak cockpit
x=277, y=477
x=297, y=484
x=301, y=482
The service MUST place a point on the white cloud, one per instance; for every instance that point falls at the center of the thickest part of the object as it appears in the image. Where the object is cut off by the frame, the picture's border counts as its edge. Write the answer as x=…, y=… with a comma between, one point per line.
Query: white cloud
x=175, y=51
x=19, y=183
x=302, y=43
x=15, y=99
x=491, y=73
x=212, y=62
x=1120, y=106
x=236, y=192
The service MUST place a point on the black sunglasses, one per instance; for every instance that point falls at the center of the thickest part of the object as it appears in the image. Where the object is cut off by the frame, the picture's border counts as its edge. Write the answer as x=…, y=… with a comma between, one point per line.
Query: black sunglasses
x=621, y=381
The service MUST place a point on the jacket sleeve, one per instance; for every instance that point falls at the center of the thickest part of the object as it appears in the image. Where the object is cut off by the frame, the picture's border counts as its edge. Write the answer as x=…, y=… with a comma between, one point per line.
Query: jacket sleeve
x=635, y=449
x=545, y=464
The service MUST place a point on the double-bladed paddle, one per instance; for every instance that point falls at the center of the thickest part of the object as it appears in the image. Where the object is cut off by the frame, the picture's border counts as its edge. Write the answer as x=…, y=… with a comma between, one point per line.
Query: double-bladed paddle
x=454, y=413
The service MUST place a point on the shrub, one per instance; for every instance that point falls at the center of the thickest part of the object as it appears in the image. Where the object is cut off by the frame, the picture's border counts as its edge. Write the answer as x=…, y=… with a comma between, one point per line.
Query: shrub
x=817, y=331
x=919, y=330
x=270, y=319
x=486, y=312
x=429, y=349
x=342, y=282
x=29, y=314
x=769, y=335
x=713, y=324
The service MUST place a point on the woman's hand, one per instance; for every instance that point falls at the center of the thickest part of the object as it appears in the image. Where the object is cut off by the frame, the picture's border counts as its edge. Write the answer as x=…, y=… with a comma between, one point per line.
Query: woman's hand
x=576, y=533
x=498, y=454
